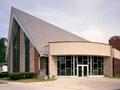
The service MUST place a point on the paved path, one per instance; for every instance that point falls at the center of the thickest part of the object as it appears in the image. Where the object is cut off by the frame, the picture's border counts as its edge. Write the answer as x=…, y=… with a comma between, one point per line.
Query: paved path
x=66, y=84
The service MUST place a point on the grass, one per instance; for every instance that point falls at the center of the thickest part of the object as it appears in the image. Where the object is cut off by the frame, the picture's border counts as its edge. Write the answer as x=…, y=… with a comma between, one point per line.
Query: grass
x=28, y=80
x=34, y=80
x=5, y=78
x=117, y=89
x=118, y=77
x=3, y=83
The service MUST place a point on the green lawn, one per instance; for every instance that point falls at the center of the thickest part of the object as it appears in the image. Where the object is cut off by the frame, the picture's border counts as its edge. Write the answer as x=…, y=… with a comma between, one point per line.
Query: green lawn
x=117, y=89
x=28, y=80
x=34, y=80
x=6, y=78
x=3, y=82
x=117, y=77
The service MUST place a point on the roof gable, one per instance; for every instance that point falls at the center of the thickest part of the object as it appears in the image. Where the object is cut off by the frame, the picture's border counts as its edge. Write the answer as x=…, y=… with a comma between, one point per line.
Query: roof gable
x=41, y=32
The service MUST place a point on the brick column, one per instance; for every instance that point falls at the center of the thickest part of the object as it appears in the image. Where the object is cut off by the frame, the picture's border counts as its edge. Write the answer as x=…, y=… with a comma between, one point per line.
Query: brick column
x=52, y=66
x=32, y=57
x=22, y=51
x=108, y=65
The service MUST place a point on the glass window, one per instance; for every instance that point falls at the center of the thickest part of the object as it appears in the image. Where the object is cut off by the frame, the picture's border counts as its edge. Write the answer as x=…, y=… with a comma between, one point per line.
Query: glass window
x=68, y=64
x=62, y=72
x=67, y=67
x=63, y=66
x=84, y=57
x=16, y=47
x=80, y=60
x=85, y=62
x=58, y=64
x=68, y=57
x=58, y=71
x=27, y=54
x=68, y=72
x=97, y=65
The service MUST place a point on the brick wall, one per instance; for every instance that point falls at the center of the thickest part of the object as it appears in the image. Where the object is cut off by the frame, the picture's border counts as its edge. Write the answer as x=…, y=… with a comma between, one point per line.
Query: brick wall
x=108, y=65
x=32, y=57
x=52, y=66
x=22, y=51
x=115, y=42
x=36, y=64
x=116, y=69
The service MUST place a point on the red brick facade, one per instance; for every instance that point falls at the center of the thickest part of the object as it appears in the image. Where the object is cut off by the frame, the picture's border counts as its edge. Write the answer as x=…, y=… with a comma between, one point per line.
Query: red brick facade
x=116, y=65
x=115, y=42
x=36, y=56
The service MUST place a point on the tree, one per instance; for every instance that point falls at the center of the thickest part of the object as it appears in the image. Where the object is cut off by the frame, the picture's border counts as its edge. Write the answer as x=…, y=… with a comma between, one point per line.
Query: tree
x=2, y=49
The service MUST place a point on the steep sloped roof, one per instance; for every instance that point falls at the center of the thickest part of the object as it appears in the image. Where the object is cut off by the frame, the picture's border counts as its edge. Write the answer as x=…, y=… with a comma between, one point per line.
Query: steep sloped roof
x=41, y=32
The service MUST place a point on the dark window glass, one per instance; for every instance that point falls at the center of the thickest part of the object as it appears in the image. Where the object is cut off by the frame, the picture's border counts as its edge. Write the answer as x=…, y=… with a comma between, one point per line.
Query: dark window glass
x=75, y=63
x=62, y=66
x=62, y=59
x=99, y=72
x=27, y=54
x=100, y=58
x=47, y=66
x=68, y=57
x=75, y=71
x=65, y=65
x=95, y=59
x=16, y=47
x=95, y=66
x=68, y=63
x=72, y=64
x=84, y=57
x=85, y=62
x=99, y=64
x=58, y=64
x=68, y=72
x=95, y=72
x=62, y=72
x=58, y=71
x=80, y=60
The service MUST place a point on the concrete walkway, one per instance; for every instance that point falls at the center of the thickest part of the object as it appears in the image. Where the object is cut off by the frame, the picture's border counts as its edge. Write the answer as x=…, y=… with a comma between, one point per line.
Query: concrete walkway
x=66, y=84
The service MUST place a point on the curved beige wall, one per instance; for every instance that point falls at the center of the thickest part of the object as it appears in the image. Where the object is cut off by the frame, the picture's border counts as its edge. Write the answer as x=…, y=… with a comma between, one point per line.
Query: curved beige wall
x=79, y=48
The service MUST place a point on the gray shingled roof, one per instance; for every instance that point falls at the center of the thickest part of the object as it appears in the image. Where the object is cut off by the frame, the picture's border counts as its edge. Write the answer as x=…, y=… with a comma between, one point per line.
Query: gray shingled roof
x=41, y=32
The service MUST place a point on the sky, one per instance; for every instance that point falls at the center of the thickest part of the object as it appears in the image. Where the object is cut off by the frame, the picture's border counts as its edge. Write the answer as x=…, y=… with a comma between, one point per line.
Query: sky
x=94, y=20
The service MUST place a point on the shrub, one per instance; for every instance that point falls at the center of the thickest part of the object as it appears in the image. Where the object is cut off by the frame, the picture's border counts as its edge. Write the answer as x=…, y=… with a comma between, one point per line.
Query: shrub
x=4, y=74
x=16, y=76
x=29, y=74
x=21, y=75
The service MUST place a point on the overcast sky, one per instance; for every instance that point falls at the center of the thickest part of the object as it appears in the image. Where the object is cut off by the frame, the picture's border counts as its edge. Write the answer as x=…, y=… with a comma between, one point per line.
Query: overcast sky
x=94, y=20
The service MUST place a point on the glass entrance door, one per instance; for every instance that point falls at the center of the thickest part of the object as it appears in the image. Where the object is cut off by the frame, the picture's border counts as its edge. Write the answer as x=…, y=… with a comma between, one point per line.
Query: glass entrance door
x=82, y=70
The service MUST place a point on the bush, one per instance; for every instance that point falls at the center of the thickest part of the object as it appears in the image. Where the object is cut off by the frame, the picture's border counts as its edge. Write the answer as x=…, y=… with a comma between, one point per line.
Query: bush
x=16, y=76
x=29, y=74
x=4, y=74
x=21, y=75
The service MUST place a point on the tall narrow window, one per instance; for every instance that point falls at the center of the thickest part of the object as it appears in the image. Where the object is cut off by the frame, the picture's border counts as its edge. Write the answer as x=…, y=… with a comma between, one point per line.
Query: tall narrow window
x=16, y=47
x=27, y=54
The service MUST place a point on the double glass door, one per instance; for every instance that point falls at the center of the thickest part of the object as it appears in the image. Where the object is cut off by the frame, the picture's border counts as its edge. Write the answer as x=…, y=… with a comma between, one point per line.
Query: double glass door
x=82, y=71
